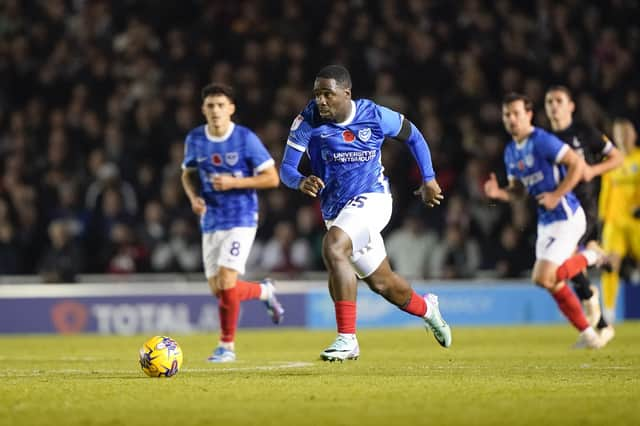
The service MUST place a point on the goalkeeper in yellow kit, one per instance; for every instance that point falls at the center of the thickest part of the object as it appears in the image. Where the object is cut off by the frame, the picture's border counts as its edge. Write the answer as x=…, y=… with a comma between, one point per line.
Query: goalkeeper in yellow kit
x=620, y=211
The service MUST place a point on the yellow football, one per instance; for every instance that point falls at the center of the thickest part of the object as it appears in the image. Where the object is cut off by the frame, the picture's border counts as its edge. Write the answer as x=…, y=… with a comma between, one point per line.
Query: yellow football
x=160, y=356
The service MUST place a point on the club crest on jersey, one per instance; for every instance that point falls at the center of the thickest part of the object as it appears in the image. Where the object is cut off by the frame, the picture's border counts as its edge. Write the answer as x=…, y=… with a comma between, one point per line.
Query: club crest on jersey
x=348, y=136
x=364, y=134
x=216, y=159
x=296, y=122
x=529, y=160
x=231, y=158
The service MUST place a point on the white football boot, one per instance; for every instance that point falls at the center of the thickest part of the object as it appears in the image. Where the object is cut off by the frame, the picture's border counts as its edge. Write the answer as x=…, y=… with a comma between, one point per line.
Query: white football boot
x=221, y=354
x=274, y=308
x=588, y=339
x=606, y=334
x=344, y=347
x=433, y=321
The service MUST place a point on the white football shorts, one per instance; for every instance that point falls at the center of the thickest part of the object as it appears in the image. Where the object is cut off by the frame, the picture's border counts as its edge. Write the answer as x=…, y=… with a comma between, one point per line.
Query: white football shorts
x=229, y=248
x=363, y=218
x=557, y=241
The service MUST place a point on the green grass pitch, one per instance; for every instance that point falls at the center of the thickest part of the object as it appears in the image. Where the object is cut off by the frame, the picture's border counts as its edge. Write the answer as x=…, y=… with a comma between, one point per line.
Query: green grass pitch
x=490, y=376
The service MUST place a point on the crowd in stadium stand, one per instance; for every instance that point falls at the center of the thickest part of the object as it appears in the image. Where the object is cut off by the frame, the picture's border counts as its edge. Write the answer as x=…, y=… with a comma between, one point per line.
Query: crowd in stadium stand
x=97, y=97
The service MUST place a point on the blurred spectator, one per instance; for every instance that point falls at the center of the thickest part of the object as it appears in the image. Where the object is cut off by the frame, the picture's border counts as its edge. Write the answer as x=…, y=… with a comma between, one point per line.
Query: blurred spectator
x=284, y=253
x=63, y=259
x=181, y=252
x=153, y=230
x=123, y=253
x=515, y=257
x=108, y=177
x=458, y=256
x=71, y=210
x=410, y=247
x=10, y=253
x=310, y=231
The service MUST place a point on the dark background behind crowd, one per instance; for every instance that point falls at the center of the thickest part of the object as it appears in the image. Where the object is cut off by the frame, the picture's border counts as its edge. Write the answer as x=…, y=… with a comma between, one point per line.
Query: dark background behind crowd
x=97, y=96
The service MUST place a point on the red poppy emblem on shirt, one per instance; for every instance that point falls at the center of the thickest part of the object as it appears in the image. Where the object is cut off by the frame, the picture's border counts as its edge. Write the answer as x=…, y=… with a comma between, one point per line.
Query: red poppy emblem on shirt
x=520, y=165
x=348, y=136
x=216, y=159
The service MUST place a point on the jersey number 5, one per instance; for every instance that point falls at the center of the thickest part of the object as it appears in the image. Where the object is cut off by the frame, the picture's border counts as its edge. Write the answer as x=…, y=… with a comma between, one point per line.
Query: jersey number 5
x=357, y=202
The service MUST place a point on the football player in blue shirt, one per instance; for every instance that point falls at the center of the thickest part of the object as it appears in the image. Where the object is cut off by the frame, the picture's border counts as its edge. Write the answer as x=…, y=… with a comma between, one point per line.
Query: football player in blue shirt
x=224, y=164
x=343, y=140
x=540, y=164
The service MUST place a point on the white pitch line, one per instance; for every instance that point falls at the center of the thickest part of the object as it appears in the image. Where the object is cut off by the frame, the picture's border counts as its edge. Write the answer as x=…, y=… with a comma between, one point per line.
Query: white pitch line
x=62, y=358
x=295, y=364
x=275, y=366
x=92, y=372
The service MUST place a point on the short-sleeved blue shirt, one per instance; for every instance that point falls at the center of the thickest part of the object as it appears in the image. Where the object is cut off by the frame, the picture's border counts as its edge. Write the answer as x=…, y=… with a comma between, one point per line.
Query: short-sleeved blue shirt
x=535, y=162
x=239, y=153
x=346, y=156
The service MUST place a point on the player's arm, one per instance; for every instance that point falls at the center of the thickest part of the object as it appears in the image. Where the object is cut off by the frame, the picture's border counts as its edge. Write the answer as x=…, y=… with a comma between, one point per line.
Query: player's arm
x=190, y=177
x=267, y=177
x=513, y=191
x=575, y=170
x=613, y=158
x=191, y=184
x=429, y=190
x=297, y=142
x=265, y=174
x=291, y=177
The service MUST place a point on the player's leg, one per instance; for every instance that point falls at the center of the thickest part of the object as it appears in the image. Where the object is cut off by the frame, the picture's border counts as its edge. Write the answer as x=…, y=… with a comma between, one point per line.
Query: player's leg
x=577, y=263
x=587, y=293
x=554, y=246
x=225, y=255
x=544, y=275
x=336, y=251
x=265, y=291
x=590, y=298
x=610, y=286
x=562, y=237
x=580, y=282
x=348, y=236
x=211, y=250
x=615, y=243
x=398, y=291
x=249, y=290
x=228, y=311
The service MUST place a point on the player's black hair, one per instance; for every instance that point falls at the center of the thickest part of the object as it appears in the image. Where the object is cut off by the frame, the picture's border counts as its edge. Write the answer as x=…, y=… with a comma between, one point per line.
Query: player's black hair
x=513, y=96
x=561, y=88
x=218, y=89
x=338, y=73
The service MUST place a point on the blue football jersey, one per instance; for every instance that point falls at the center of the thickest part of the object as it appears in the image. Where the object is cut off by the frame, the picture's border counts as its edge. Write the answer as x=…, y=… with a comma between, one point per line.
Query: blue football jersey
x=535, y=163
x=346, y=156
x=239, y=153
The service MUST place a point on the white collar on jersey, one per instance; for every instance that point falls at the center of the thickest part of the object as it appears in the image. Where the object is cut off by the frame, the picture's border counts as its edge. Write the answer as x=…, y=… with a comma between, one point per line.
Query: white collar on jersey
x=521, y=144
x=219, y=138
x=352, y=114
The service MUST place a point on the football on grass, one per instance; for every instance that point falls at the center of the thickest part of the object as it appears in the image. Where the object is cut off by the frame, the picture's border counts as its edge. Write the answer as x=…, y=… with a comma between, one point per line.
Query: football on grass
x=160, y=356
